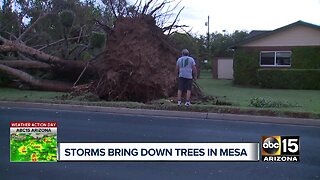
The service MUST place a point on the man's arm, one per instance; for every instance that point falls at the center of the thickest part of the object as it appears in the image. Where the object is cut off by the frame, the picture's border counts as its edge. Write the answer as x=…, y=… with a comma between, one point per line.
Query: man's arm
x=177, y=70
x=195, y=72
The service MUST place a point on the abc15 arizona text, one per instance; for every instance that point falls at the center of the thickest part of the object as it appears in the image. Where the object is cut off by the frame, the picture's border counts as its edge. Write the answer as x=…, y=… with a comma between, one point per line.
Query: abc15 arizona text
x=280, y=148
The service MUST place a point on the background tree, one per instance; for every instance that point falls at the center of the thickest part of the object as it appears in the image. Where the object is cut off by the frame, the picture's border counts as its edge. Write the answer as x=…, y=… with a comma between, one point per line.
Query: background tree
x=220, y=44
x=9, y=23
x=185, y=41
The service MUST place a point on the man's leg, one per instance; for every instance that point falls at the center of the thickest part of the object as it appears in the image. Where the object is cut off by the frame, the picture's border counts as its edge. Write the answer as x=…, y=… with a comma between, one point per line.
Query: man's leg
x=179, y=95
x=189, y=87
x=188, y=95
x=180, y=87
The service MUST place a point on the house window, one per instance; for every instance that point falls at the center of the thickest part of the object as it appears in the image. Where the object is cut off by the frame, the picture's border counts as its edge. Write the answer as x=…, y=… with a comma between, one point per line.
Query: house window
x=275, y=58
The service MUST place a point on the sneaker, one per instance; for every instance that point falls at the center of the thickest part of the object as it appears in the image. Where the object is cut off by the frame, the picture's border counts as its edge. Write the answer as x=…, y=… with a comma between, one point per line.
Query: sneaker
x=187, y=103
x=179, y=103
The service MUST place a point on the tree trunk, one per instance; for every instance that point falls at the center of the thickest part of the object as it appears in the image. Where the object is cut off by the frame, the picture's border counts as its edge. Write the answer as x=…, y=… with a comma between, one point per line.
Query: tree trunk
x=36, y=83
x=38, y=55
x=66, y=68
x=6, y=48
x=33, y=52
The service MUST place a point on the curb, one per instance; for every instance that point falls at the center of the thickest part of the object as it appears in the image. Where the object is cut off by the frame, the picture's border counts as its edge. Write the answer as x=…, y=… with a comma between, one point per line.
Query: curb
x=182, y=114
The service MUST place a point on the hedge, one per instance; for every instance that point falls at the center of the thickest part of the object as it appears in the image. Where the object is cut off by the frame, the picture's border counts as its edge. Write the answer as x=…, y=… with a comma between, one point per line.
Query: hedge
x=246, y=63
x=306, y=58
x=289, y=78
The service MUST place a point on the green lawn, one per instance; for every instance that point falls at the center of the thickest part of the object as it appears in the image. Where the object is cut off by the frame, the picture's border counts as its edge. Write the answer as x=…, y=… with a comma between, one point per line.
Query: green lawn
x=9, y=94
x=20, y=95
x=309, y=100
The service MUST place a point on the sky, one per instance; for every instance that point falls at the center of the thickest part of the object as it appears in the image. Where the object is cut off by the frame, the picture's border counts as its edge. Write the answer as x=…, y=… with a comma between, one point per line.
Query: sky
x=226, y=16
x=231, y=15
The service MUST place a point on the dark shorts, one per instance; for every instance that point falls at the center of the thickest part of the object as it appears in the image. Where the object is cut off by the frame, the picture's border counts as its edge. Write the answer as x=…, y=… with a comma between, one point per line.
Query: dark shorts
x=185, y=84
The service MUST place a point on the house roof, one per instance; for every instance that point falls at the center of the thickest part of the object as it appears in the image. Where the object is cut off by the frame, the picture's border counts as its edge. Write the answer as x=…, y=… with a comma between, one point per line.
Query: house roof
x=255, y=35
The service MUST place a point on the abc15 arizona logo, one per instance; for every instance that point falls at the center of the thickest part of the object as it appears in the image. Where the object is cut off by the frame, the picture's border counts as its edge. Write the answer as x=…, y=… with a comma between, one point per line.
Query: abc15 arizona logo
x=280, y=148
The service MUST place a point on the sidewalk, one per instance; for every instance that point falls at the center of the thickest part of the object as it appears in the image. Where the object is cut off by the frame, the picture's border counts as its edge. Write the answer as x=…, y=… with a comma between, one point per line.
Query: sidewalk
x=147, y=112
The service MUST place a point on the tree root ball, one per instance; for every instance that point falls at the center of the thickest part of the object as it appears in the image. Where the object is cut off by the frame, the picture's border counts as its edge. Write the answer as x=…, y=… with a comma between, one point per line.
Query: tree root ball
x=139, y=63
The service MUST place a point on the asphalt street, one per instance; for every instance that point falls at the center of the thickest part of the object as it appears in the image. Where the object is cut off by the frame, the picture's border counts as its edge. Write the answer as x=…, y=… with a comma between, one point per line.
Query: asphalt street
x=78, y=126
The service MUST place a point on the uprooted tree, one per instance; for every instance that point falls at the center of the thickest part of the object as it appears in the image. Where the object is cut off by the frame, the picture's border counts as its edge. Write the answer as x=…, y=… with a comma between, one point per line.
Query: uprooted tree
x=138, y=62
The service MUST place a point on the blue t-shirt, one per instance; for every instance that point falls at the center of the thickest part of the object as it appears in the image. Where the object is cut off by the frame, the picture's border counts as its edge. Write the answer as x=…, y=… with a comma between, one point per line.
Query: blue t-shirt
x=185, y=64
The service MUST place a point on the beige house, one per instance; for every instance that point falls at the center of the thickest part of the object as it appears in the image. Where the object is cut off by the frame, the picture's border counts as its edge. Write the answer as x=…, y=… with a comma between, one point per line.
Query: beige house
x=295, y=46
x=297, y=34
x=276, y=46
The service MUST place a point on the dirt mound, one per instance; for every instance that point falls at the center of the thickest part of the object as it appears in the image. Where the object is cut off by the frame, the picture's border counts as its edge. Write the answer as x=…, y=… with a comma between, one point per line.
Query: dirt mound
x=139, y=63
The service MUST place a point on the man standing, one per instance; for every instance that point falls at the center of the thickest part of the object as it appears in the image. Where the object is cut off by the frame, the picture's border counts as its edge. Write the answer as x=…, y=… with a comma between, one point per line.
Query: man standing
x=186, y=67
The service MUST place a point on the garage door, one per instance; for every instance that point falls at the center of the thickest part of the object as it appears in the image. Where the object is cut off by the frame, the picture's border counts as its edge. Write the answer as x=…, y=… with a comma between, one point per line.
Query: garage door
x=225, y=68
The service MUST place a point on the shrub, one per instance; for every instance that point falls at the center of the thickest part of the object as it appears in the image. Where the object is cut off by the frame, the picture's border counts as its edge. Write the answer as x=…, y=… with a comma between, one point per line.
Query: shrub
x=97, y=39
x=289, y=78
x=246, y=63
x=66, y=18
x=262, y=102
x=85, y=55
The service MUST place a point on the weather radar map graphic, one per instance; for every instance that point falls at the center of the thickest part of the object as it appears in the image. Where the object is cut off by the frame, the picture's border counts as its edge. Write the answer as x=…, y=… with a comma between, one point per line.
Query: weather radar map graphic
x=33, y=141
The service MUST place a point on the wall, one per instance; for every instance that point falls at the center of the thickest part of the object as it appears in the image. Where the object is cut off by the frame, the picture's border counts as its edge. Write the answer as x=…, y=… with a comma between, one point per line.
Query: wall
x=222, y=68
x=295, y=36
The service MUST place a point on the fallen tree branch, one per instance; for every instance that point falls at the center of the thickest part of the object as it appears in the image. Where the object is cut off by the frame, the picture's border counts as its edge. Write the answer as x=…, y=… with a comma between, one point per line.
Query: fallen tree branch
x=174, y=22
x=36, y=54
x=24, y=57
x=158, y=8
x=14, y=46
x=34, y=82
x=105, y=27
x=25, y=64
x=175, y=27
x=84, y=69
x=58, y=64
x=10, y=34
x=59, y=41
x=137, y=10
x=146, y=7
x=113, y=10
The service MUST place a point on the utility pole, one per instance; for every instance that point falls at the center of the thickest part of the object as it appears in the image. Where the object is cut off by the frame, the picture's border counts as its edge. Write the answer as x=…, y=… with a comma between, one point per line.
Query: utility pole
x=208, y=37
x=208, y=32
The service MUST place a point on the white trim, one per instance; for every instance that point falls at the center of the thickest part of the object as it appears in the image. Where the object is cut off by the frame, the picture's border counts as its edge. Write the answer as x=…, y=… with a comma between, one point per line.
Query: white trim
x=275, y=65
x=275, y=59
